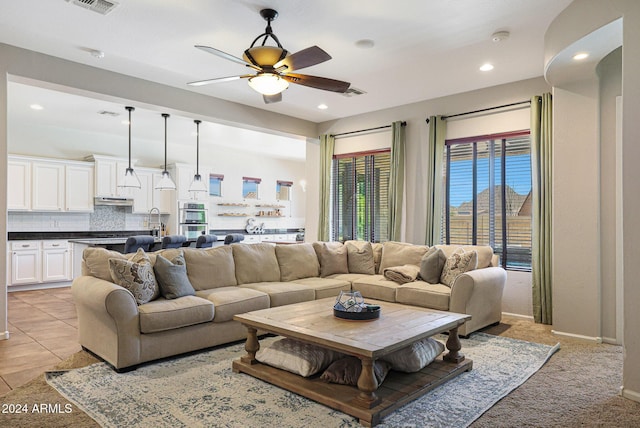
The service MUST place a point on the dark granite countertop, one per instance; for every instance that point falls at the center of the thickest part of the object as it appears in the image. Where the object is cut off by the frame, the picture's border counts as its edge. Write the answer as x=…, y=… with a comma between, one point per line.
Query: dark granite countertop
x=22, y=236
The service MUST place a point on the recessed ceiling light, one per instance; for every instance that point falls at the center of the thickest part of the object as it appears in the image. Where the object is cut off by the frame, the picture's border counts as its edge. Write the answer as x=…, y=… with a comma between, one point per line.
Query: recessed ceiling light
x=365, y=43
x=486, y=67
x=581, y=55
x=36, y=107
x=323, y=106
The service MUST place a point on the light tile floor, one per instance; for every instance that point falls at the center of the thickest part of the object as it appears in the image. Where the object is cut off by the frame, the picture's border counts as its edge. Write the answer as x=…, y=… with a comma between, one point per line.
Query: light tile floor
x=43, y=330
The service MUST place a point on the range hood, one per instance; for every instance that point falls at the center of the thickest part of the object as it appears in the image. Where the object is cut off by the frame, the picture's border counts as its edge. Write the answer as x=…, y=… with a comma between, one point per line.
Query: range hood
x=118, y=202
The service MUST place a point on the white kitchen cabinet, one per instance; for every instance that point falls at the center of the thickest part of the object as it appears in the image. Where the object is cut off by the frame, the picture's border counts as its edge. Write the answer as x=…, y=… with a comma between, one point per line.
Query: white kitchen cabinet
x=79, y=188
x=47, y=190
x=25, y=262
x=108, y=173
x=34, y=262
x=56, y=261
x=183, y=174
x=143, y=197
x=163, y=199
x=19, y=185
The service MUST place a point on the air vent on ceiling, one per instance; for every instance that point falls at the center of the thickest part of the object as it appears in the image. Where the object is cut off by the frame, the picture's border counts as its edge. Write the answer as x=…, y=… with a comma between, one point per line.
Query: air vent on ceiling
x=108, y=113
x=352, y=92
x=101, y=6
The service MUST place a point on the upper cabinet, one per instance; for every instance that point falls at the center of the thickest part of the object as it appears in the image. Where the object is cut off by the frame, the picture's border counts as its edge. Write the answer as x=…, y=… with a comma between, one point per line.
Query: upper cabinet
x=49, y=185
x=183, y=174
x=108, y=171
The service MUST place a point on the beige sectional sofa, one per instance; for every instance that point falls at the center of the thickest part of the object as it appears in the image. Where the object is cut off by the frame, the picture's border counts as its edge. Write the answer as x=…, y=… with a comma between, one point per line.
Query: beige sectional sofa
x=228, y=280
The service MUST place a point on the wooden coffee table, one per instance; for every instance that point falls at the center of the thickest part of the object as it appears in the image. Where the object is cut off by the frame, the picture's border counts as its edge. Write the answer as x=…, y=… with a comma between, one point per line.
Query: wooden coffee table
x=398, y=326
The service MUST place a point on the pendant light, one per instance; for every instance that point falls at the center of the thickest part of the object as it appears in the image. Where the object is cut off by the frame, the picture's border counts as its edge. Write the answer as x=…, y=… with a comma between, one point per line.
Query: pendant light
x=165, y=183
x=197, y=185
x=130, y=180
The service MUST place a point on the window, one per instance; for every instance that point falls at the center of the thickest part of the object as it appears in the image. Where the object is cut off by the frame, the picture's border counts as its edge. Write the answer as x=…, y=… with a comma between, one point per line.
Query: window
x=488, y=195
x=250, y=187
x=215, y=184
x=360, y=185
x=283, y=190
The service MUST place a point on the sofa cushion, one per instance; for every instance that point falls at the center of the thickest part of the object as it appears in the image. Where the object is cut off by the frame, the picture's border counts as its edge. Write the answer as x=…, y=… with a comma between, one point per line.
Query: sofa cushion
x=416, y=356
x=325, y=287
x=423, y=294
x=297, y=261
x=349, y=277
x=95, y=262
x=172, y=277
x=162, y=314
x=297, y=357
x=283, y=293
x=459, y=262
x=376, y=287
x=136, y=276
x=230, y=301
x=210, y=267
x=485, y=253
x=401, y=253
x=255, y=263
x=360, y=257
x=332, y=257
x=431, y=265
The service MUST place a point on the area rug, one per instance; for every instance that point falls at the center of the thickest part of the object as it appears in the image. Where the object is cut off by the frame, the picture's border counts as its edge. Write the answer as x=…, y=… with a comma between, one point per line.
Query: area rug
x=200, y=390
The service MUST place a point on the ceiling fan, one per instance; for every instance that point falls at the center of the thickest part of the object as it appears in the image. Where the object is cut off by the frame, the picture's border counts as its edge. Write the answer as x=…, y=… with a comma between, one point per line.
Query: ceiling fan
x=274, y=66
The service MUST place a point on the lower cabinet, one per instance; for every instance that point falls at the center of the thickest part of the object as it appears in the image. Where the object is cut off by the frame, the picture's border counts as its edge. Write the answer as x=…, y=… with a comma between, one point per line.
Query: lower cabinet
x=35, y=262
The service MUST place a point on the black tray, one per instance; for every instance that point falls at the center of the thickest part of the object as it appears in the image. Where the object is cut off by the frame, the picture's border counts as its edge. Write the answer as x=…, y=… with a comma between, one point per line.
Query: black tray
x=358, y=316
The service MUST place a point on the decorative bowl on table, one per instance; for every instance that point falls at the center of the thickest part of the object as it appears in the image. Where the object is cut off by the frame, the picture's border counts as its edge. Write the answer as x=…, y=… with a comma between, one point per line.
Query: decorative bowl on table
x=350, y=305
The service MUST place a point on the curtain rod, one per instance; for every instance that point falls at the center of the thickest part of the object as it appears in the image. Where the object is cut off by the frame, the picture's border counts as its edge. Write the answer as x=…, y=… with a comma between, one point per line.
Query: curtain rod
x=365, y=130
x=486, y=109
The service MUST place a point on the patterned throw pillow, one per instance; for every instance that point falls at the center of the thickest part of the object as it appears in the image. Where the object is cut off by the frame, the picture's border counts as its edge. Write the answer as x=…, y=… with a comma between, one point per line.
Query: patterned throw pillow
x=136, y=275
x=459, y=262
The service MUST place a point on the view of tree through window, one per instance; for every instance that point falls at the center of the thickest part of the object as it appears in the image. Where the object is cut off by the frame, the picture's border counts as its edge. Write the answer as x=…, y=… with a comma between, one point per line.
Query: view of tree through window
x=488, y=195
x=360, y=185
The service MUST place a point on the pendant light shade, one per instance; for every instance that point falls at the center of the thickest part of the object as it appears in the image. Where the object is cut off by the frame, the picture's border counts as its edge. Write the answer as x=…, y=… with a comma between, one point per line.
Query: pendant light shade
x=130, y=180
x=197, y=185
x=165, y=183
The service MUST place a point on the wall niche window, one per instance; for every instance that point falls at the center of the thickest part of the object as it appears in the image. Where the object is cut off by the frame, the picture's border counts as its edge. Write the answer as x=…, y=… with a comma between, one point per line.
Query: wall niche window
x=283, y=190
x=215, y=184
x=250, y=187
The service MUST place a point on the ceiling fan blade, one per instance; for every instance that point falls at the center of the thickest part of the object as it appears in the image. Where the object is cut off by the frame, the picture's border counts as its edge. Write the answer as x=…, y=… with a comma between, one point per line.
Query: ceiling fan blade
x=304, y=58
x=270, y=99
x=317, y=82
x=227, y=56
x=218, y=80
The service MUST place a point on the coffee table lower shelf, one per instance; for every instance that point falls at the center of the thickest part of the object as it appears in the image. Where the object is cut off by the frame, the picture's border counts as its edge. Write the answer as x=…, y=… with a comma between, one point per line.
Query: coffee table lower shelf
x=397, y=389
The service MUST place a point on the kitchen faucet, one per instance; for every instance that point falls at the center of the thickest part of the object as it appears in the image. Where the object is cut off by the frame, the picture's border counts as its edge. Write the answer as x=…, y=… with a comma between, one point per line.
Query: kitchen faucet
x=155, y=226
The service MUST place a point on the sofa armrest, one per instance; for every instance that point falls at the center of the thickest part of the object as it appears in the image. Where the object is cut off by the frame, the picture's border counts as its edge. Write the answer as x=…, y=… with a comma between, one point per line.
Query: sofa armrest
x=479, y=294
x=108, y=320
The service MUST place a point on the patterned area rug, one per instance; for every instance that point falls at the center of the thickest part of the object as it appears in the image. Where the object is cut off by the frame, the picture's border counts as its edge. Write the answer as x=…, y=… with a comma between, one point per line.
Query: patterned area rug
x=200, y=390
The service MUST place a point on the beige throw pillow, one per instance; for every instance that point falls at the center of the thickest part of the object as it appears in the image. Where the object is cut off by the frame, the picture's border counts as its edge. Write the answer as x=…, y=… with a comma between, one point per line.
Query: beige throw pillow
x=459, y=262
x=210, y=267
x=401, y=253
x=360, y=257
x=332, y=258
x=136, y=275
x=255, y=263
x=346, y=371
x=415, y=356
x=297, y=261
x=432, y=264
x=297, y=357
x=96, y=262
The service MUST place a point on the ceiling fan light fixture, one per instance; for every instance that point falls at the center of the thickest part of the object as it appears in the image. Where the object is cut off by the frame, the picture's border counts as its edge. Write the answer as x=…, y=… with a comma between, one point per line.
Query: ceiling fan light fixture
x=264, y=56
x=268, y=83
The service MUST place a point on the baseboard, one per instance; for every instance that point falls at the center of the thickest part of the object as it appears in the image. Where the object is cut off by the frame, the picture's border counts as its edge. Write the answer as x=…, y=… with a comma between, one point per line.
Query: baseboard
x=610, y=341
x=631, y=395
x=577, y=336
x=524, y=317
x=5, y=336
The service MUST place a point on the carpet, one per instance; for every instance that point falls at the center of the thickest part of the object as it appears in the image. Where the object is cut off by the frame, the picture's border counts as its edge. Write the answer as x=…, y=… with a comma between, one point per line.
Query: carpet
x=200, y=390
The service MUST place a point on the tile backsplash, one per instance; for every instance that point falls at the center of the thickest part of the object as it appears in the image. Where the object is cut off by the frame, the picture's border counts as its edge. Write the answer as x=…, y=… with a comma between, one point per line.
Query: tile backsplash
x=103, y=218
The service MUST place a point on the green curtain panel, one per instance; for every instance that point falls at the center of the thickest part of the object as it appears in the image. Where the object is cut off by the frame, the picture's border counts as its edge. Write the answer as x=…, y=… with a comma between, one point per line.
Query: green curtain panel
x=327, y=144
x=396, y=181
x=541, y=157
x=434, y=190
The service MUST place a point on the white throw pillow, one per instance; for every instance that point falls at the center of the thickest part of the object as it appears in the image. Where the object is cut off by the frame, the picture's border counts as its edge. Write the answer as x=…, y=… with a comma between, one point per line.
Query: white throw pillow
x=297, y=357
x=415, y=356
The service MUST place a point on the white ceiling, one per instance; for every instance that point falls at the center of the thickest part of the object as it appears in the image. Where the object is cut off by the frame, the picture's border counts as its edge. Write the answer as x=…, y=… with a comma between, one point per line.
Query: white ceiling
x=423, y=48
